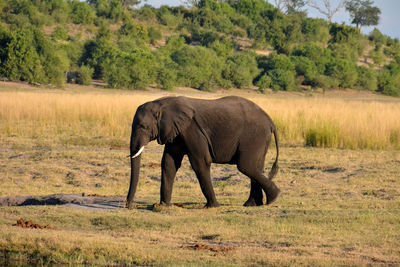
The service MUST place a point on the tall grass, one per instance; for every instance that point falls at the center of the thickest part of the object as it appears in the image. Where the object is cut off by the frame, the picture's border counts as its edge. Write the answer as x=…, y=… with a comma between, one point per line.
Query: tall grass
x=316, y=122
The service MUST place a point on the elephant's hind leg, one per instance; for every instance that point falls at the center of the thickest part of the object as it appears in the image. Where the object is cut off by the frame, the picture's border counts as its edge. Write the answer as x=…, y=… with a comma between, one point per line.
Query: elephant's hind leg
x=256, y=195
x=269, y=187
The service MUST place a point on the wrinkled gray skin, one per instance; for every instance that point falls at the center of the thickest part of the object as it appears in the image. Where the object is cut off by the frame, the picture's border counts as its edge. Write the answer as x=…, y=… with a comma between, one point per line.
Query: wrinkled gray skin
x=229, y=130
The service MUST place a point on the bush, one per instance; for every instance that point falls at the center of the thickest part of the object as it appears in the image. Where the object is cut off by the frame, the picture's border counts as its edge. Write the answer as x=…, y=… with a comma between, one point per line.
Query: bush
x=198, y=67
x=325, y=82
x=241, y=69
x=81, y=12
x=154, y=35
x=133, y=70
x=305, y=67
x=263, y=83
x=388, y=83
x=344, y=71
x=319, y=55
x=166, y=78
x=27, y=55
x=367, y=79
x=282, y=80
x=274, y=62
x=165, y=17
x=84, y=75
x=322, y=136
x=377, y=37
x=60, y=33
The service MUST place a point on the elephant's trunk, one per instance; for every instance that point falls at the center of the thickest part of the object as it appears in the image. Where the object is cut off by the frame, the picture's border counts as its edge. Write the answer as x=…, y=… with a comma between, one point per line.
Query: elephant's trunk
x=135, y=167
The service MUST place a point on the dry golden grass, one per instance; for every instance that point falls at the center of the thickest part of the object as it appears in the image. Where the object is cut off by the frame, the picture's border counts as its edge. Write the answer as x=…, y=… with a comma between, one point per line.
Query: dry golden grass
x=326, y=122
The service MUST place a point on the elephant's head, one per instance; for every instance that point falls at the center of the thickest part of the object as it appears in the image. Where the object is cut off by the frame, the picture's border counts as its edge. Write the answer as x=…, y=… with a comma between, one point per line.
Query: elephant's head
x=163, y=119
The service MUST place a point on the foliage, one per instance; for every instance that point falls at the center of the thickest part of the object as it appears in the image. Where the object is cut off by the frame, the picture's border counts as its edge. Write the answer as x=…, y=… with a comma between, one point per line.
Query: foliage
x=367, y=79
x=389, y=82
x=29, y=56
x=82, y=12
x=84, y=75
x=133, y=70
x=215, y=51
x=60, y=33
x=264, y=82
x=241, y=69
x=344, y=71
x=154, y=35
x=198, y=67
x=363, y=13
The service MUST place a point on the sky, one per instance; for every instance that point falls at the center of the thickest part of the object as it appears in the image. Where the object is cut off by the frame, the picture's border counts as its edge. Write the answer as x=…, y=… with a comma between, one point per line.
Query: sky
x=389, y=23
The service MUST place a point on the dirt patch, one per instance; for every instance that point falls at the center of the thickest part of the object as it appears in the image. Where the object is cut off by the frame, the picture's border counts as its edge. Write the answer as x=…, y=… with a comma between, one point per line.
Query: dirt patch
x=217, y=249
x=152, y=165
x=29, y=224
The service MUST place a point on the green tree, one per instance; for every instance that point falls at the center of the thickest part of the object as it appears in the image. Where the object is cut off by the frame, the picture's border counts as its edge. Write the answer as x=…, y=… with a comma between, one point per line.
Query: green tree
x=363, y=13
x=241, y=69
x=295, y=6
x=198, y=67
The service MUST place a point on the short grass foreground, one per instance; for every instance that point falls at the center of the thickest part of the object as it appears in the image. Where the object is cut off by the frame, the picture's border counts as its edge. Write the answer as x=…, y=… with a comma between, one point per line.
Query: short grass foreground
x=337, y=207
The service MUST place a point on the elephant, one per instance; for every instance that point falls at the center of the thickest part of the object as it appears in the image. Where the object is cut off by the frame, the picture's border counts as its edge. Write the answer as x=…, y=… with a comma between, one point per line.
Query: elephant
x=228, y=130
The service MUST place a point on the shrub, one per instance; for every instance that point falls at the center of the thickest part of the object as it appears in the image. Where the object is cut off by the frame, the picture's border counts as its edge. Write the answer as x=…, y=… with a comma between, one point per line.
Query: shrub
x=198, y=67
x=223, y=47
x=367, y=79
x=165, y=17
x=388, y=83
x=241, y=69
x=377, y=37
x=133, y=70
x=325, y=82
x=322, y=136
x=282, y=80
x=60, y=33
x=166, y=78
x=305, y=67
x=264, y=82
x=81, y=12
x=344, y=71
x=154, y=34
x=274, y=62
x=27, y=55
x=84, y=75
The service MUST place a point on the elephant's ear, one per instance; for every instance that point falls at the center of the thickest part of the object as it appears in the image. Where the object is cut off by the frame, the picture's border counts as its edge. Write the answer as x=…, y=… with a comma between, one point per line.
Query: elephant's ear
x=175, y=117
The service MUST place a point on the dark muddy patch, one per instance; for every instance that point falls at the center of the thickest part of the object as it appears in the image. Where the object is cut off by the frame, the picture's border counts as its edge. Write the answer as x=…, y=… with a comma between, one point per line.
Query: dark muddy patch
x=78, y=201
x=213, y=248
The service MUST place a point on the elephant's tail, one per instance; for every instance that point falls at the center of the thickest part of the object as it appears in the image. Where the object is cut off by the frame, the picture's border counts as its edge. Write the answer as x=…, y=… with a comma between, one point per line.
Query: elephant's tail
x=275, y=167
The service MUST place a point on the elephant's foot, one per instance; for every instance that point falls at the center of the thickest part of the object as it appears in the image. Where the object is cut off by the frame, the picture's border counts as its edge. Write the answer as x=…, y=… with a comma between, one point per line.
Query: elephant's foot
x=131, y=205
x=251, y=202
x=212, y=205
x=163, y=203
x=273, y=196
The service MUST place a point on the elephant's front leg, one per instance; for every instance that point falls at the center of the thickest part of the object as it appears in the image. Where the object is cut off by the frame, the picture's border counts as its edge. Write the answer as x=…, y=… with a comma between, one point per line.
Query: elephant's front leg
x=202, y=170
x=170, y=163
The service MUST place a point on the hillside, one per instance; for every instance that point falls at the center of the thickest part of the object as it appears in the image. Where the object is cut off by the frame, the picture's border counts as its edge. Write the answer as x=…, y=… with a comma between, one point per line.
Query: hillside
x=232, y=44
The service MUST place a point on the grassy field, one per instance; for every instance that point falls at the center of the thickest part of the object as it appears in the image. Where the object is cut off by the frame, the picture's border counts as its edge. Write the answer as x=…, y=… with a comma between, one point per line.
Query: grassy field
x=337, y=207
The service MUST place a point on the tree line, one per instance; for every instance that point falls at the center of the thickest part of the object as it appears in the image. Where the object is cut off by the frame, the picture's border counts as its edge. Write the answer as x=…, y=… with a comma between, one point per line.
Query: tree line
x=211, y=44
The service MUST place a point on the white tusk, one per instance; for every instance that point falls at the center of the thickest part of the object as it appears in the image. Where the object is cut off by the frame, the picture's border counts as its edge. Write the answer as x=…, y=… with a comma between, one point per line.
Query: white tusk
x=138, y=153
